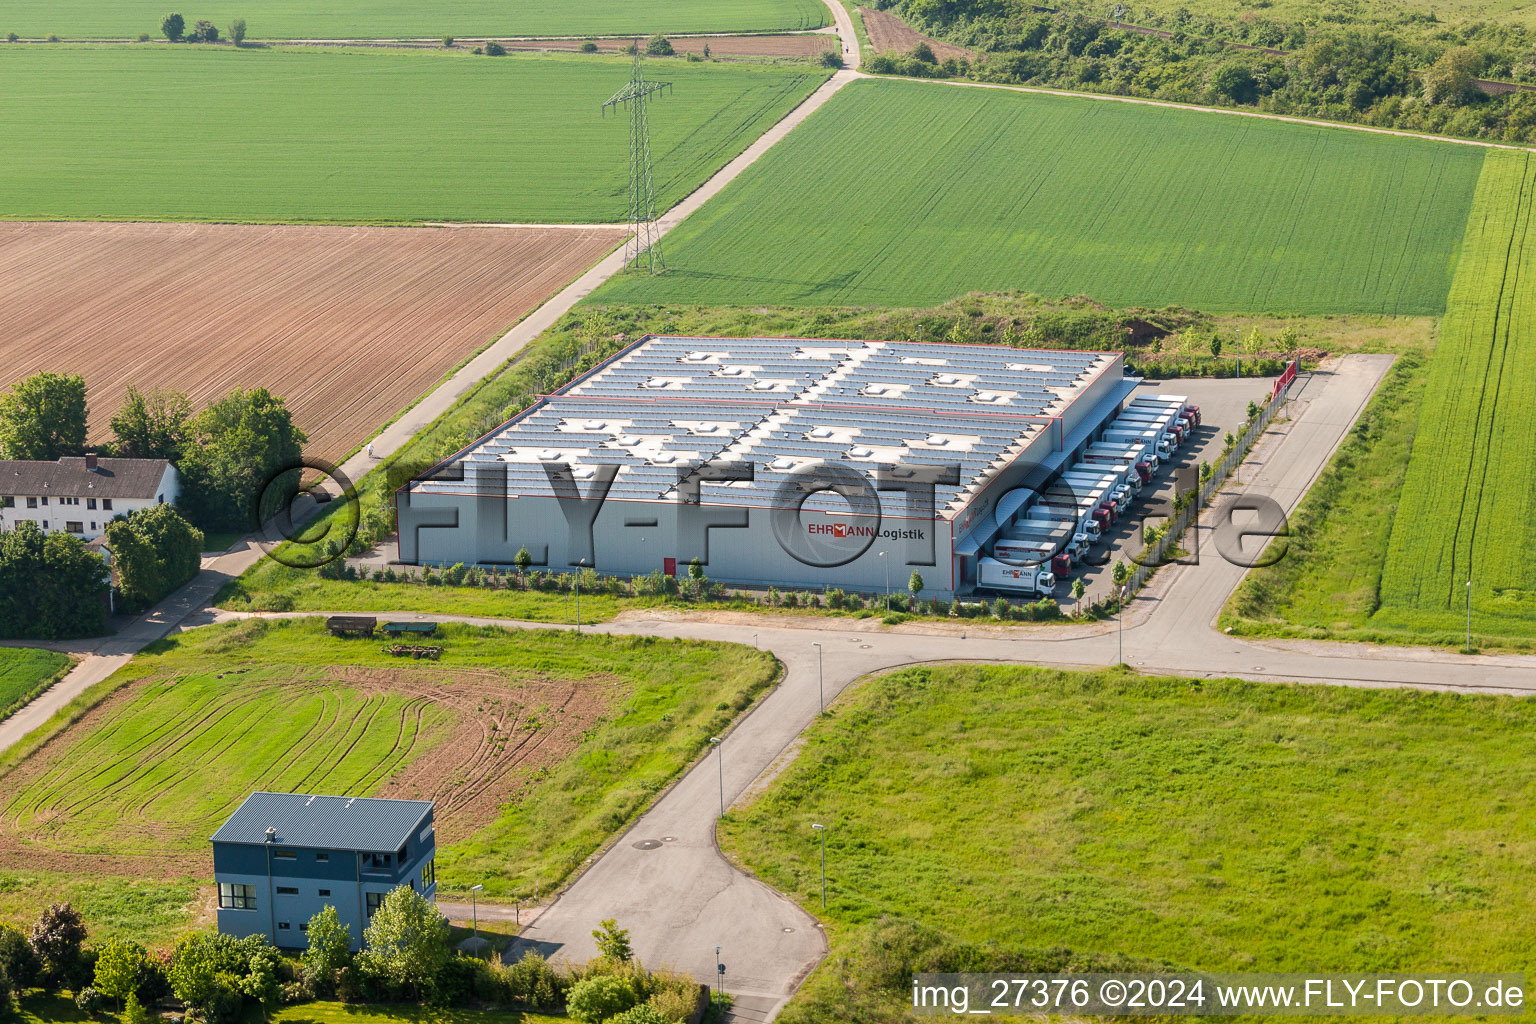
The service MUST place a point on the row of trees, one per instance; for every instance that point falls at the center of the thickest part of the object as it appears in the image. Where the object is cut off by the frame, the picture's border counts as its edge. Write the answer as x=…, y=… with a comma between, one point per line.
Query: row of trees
x=1370, y=75
x=406, y=957
x=174, y=27
x=227, y=454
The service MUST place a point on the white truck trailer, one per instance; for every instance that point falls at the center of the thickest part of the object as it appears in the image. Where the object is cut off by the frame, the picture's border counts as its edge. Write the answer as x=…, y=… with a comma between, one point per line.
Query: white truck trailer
x=1018, y=579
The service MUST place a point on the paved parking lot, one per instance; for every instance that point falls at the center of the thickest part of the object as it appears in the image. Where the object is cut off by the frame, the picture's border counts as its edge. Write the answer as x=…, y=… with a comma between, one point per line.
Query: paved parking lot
x=1223, y=407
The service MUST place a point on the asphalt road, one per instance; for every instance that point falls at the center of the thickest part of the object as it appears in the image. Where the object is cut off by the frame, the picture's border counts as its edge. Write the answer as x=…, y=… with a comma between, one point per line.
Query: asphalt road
x=666, y=881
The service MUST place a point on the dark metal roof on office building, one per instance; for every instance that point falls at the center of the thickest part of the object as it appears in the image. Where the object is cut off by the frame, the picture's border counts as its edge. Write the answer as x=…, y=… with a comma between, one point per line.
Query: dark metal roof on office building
x=365, y=824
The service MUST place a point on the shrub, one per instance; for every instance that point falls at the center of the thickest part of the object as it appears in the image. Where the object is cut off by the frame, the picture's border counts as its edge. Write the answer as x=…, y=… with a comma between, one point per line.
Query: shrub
x=143, y=38
x=237, y=31
x=924, y=53
x=51, y=38
x=447, y=42
x=11, y=37
x=494, y=49
x=830, y=59
x=205, y=31
x=675, y=1003
x=589, y=47
x=173, y=25
x=533, y=982
x=136, y=1013
x=645, y=1013
x=593, y=1000
x=18, y=961
x=89, y=1000
x=659, y=46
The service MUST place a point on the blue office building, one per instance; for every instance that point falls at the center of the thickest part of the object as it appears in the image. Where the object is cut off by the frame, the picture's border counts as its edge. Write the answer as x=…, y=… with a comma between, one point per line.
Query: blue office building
x=282, y=857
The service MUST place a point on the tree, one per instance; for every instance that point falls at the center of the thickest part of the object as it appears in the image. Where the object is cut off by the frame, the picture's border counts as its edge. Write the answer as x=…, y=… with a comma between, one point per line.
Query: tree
x=1235, y=81
x=260, y=981
x=43, y=417
x=1451, y=80
x=237, y=31
x=407, y=941
x=1253, y=410
x=924, y=53
x=598, y=998
x=173, y=25
x=613, y=942
x=56, y=939
x=236, y=447
x=134, y=1012
x=19, y=963
x=119, y=967
x=330, y=949
x=1216, y=346
x=205, y=31
x=522, y=559
x=695, y=570
x=155, y=551
x=1078, y=590
x=447, y=42
x=152, y=425
x=495, y=49
x=51, y=586
x=706, y=53
x=659, y=46
x=1121, y=575
x=827, y=59
x=915, y=583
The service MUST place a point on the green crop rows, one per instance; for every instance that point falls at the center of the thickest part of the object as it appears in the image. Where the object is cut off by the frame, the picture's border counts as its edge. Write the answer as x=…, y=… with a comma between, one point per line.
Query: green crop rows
x=908, y=194
x=1466, y=511
x=154, y=133
x=22, y=671
x=377, y=19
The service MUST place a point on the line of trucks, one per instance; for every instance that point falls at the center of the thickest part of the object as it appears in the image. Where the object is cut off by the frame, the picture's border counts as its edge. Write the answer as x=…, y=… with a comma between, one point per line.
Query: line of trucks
x=1073, y=513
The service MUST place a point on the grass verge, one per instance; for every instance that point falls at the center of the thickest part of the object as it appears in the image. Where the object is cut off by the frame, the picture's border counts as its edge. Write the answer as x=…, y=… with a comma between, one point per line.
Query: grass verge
x=1213, y=824
x=26, y=672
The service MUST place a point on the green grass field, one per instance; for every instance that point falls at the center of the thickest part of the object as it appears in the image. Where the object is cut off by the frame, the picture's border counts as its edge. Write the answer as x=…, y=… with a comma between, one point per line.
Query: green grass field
x=1468, y=505
x=902, y=194
x=396, y=19
x=1434, y=488
x=160, y=133
x=536, y=745
x=23, y=672
x=1213, y=824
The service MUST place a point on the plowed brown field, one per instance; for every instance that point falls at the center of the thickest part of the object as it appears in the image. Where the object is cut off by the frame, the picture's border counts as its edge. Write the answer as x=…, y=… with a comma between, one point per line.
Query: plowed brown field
x=349, y=324
x=888, y=33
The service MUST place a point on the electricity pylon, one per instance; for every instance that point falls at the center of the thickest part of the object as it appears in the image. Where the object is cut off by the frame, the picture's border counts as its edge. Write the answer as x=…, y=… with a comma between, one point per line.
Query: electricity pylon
x=646, y=243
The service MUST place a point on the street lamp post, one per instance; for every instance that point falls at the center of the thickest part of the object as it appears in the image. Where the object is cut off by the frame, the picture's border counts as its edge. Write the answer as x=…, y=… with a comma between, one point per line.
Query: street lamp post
x=821, y=830
x=1122, y=625
x=887, y=582
x=821, y=693
x=474, y=907
x=579, y=567
x=719, y=746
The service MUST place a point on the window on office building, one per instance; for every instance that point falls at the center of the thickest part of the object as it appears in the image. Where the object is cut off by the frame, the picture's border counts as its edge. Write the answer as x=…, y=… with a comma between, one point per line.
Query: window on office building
x=236, y=897
x=372, y=900
x=287, y=890
x=428, y=875
x=284, y=855
x=325, y=892
x=74, y=526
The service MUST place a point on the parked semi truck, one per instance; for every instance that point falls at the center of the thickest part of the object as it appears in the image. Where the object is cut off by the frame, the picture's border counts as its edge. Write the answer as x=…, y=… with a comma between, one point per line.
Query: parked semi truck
x=1165, y=421
x=1138, y=452
x=1175, y=413
x=1020, y=579
x=1085, y=528
x=1136, y=473
x=1059, y=536
x=1119, y=494
x=1182, y=401
x=1085, y=507
x=1155, y=440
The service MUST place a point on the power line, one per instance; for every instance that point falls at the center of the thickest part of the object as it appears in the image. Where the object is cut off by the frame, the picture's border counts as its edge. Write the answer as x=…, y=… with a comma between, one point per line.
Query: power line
x=645, y=244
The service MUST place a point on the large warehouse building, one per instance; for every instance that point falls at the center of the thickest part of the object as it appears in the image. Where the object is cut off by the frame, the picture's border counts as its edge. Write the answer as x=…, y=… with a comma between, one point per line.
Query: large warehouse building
x=788, y=462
